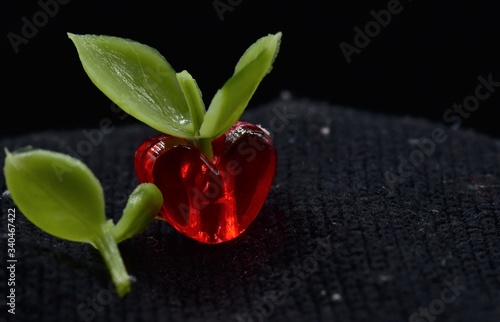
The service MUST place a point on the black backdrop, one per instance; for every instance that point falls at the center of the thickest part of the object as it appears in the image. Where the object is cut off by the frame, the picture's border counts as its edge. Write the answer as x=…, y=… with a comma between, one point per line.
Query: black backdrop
x=420, y=60
x=393, y=250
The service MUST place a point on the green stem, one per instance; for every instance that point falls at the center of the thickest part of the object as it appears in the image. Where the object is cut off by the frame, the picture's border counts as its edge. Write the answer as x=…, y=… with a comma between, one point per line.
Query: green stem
x=108, y=248
x=205, y=146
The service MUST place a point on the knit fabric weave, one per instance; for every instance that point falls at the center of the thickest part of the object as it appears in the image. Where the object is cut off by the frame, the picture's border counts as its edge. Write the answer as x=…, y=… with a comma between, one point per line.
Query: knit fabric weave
x=370, y=218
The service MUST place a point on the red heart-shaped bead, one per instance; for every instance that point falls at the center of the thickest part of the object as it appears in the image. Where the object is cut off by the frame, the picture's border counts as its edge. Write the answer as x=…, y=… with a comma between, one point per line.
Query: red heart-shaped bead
x=211, y=202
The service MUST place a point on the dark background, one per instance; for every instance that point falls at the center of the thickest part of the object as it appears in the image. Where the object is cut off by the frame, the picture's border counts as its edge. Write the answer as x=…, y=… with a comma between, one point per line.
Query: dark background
x=427, y=58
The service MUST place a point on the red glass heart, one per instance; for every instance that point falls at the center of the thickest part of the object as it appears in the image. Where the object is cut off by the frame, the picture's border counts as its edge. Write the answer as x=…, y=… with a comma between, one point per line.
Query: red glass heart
x=211, y=202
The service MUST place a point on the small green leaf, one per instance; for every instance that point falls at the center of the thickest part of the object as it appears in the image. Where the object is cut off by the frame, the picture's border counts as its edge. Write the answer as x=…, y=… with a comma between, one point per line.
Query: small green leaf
x=138, y=79
x=57, y=193
x=193, y=97
x=230, y=101
x=142, y=207
x=60, y=195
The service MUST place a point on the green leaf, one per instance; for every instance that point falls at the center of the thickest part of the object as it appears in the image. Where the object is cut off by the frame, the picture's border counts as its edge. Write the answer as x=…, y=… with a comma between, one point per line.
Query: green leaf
x=57, y=193
x=230, y=101
x=138, y=79
x=192, y=93
x=142, y=207
x=60, y=195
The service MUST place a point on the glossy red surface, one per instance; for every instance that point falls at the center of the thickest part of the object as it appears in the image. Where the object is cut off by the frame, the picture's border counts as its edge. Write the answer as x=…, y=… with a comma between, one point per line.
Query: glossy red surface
x=211, y=202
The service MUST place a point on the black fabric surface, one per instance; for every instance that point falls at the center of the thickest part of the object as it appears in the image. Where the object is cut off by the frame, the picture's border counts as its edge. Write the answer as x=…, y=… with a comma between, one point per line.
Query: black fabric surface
x=335, y=241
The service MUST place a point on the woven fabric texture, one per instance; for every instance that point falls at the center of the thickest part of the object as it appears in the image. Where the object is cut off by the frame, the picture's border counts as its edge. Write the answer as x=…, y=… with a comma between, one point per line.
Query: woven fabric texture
x=370, y=218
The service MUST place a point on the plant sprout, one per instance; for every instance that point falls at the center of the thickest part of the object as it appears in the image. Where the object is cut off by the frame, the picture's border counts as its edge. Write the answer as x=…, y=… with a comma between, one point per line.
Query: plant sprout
x=189, y=160
x=60, y=195
x=139, y=80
